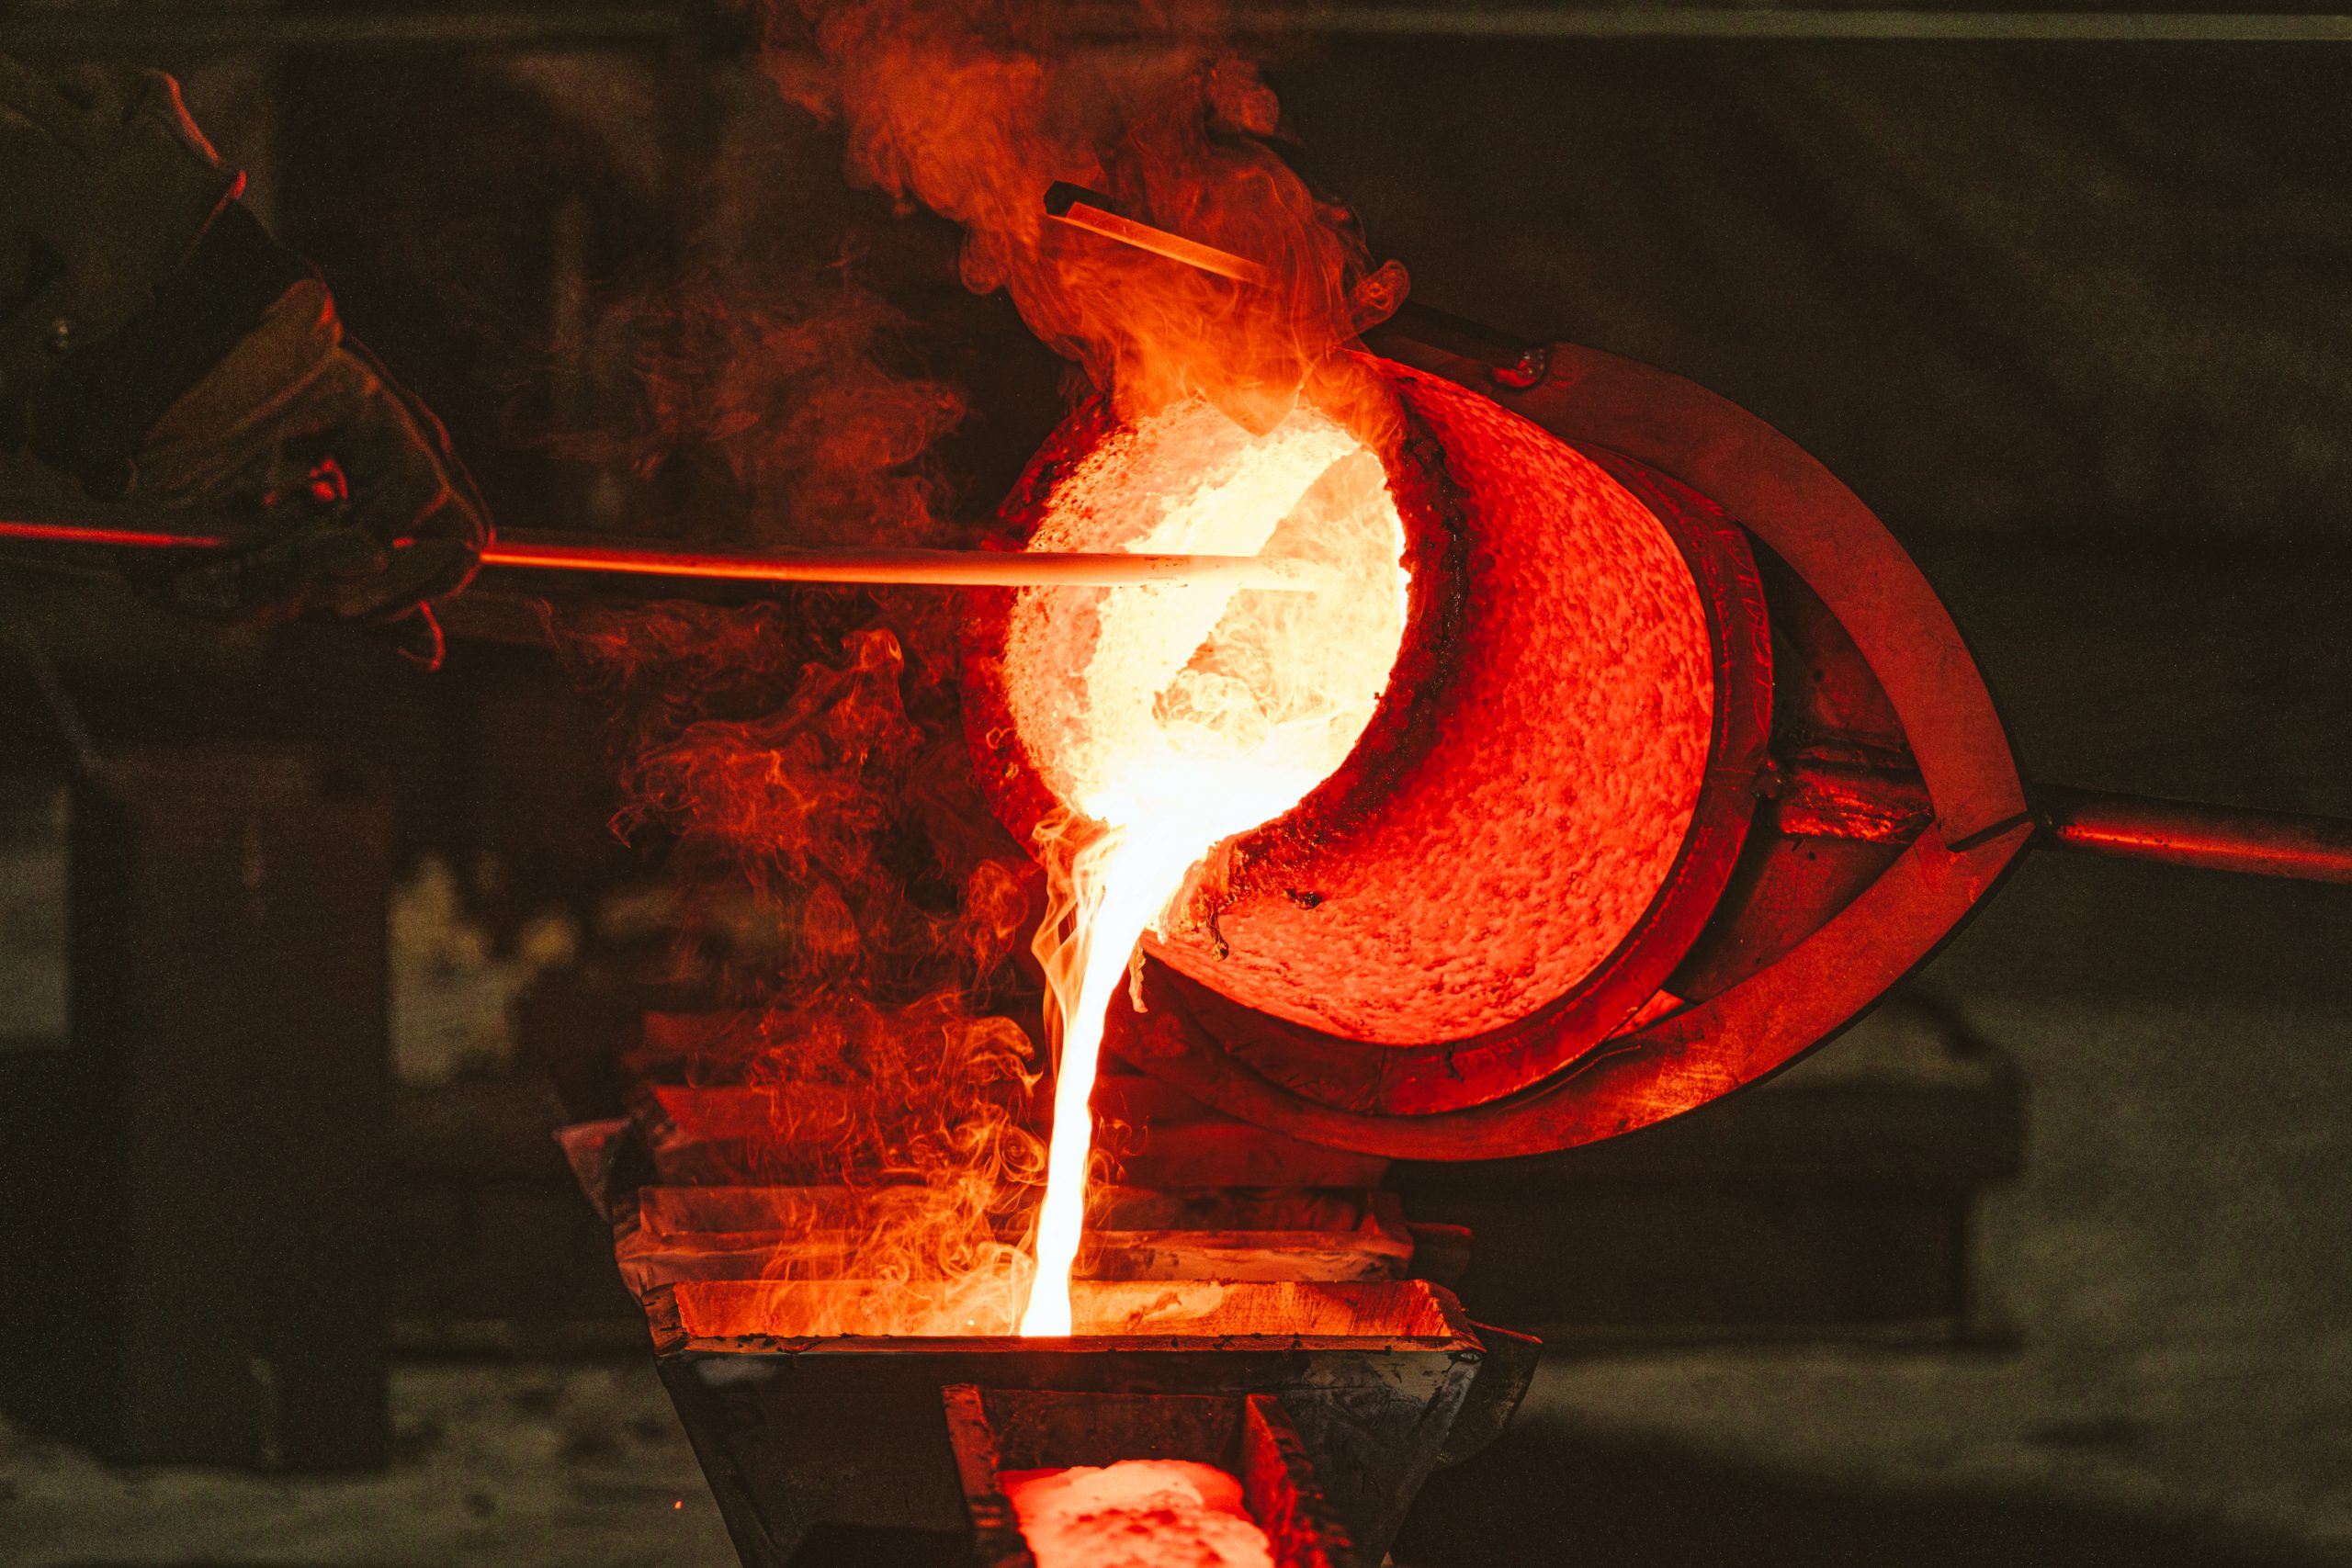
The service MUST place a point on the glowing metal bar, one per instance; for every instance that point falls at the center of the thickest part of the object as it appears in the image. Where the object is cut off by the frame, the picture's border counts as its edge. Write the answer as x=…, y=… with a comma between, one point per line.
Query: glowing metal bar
x=947, y=569
x=1083, y=209
x=70, y=532
x=641, y=557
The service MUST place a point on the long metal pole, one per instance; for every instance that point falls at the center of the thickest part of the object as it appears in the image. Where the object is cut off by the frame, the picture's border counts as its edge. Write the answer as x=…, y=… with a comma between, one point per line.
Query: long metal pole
x=945, y=569
x=2181, y=832
x=651, y=557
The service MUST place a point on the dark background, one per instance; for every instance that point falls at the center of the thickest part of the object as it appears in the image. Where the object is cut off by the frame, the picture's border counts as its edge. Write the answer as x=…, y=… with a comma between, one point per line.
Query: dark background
x=2072, y=317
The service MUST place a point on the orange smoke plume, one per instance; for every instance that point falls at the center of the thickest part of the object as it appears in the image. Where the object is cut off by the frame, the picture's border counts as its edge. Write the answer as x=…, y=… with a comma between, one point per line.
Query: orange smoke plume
x=843, y=880
x=975, y=109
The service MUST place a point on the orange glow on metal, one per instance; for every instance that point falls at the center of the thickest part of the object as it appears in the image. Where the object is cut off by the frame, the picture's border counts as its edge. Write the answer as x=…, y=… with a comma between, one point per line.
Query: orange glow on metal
x=1138, y=1513
x=986, y=568
x=117, y=536
x=645, y=558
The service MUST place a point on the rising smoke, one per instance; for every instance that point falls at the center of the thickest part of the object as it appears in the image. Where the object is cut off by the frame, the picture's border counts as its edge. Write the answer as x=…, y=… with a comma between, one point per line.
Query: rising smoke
x=843, y=885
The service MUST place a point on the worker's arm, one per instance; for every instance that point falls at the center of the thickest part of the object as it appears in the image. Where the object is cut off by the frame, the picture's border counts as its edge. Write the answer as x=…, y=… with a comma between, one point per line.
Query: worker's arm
x=156, y=344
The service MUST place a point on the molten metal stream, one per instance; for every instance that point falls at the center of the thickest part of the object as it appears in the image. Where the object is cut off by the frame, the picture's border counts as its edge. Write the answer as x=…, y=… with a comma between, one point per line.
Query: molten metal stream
x=1197, y=712
x=1122, y=884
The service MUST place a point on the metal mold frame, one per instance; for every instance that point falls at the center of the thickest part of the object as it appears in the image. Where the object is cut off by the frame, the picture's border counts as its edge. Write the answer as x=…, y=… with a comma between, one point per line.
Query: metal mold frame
x=793, y=1433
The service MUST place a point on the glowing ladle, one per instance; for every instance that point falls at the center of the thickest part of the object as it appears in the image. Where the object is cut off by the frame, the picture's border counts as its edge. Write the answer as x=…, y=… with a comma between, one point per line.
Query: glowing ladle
x=1170, y=718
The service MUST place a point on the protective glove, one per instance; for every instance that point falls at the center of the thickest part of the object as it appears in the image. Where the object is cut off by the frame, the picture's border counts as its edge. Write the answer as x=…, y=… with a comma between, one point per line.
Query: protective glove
x=371, y=515
x=105, y=188
x=167, y=351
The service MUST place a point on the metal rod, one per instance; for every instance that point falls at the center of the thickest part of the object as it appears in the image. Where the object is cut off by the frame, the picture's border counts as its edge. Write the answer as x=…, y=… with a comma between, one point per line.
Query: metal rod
x=649, y=558
x=127, y=537
x=2181, y=833
x=946, y=569
x=1514, y=363
x=1097, y=214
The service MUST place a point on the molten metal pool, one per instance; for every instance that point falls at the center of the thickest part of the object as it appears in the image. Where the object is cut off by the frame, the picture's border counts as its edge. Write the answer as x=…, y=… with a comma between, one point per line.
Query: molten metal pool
x=1136, y=1513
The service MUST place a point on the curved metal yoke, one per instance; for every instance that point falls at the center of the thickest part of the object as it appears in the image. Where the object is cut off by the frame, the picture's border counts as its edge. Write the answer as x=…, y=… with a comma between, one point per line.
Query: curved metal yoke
x=1885, y=808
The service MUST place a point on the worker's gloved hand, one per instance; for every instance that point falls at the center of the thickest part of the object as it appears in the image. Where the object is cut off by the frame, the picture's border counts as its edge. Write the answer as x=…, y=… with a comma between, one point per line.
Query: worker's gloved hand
x=364, y=510
x=105, y=190
x=166, y=350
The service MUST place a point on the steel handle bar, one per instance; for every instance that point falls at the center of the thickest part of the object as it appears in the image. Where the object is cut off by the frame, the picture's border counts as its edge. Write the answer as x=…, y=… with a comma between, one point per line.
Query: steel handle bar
x=2180, y=833
x=125, y=529
x=2123, y=827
